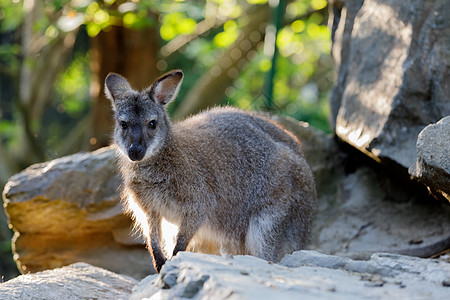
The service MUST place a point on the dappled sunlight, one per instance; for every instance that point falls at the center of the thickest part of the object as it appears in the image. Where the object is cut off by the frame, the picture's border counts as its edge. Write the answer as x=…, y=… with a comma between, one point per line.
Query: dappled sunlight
x=139, y=216
x=168, y=230
x=169, y=233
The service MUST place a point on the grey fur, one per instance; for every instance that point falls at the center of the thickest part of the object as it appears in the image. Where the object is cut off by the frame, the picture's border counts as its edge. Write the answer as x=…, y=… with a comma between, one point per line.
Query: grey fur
x=232, y=181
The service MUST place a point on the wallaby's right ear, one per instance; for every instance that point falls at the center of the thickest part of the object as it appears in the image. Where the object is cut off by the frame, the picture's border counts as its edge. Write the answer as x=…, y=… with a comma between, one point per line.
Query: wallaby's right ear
x=166, y=87
x=115, y=86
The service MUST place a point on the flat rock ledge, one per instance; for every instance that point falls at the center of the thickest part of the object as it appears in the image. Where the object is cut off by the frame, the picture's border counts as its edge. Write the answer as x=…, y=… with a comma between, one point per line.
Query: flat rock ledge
x=309, y=274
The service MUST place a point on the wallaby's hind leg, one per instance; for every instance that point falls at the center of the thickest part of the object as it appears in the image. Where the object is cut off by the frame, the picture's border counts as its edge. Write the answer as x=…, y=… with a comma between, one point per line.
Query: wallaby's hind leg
x=265, y=235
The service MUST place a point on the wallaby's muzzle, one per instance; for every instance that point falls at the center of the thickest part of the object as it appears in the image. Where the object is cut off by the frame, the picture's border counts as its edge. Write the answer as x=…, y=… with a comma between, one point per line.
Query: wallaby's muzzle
x=136, y=152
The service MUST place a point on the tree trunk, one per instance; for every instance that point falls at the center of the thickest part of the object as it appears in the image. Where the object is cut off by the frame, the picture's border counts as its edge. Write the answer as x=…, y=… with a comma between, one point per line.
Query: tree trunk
x=131, y=53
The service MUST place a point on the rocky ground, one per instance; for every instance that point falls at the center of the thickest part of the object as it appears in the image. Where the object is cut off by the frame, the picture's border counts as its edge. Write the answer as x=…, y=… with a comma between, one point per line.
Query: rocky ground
x=77, y=281
x=305, y=274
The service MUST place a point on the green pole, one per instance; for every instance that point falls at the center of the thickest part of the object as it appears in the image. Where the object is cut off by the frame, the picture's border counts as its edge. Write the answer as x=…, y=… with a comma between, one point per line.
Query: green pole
x=277, y=8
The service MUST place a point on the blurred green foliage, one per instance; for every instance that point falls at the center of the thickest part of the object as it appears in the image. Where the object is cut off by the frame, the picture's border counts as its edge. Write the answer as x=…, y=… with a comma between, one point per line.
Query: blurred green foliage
x=72, y=96
x=303, y=70
x=302, y=80
x=11, y=14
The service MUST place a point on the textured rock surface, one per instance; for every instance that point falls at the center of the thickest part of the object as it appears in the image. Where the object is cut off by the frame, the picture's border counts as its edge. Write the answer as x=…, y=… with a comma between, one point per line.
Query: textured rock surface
x=364, y=209
x=433, y=158
x=370, y=213
x=308, y=274
x=393, y=62
x=77, y=281
x=68, y=210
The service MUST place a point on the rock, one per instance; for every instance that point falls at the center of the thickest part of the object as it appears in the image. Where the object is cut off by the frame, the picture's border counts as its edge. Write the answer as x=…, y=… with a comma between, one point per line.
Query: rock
x=383, y=264
x=310, y=274
x=68, y=210
x=201, y=276
x=363, y=208
x=77, y=281
x=371, y=212
x=393, y=61
x=432, y=167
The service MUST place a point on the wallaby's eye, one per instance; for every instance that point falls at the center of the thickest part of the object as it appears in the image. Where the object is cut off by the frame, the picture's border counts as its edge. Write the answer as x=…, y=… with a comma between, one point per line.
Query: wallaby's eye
x=152, y=124
x=123, y=124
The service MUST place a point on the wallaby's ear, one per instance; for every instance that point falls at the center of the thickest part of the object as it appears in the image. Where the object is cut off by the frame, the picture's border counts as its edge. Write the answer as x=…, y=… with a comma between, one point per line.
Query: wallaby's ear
x=115, y=86
x=166, y=87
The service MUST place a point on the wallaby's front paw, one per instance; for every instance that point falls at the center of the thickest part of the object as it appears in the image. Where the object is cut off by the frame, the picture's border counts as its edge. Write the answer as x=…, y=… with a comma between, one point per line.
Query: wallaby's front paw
x=158, y=263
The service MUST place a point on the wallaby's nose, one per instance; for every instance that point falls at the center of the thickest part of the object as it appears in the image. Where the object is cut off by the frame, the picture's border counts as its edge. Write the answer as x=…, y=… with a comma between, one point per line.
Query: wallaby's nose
x=136, y=152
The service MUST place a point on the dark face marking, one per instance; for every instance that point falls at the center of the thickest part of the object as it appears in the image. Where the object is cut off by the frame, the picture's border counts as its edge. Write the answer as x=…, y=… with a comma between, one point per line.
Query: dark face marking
x=137, y=148
x=137, y=109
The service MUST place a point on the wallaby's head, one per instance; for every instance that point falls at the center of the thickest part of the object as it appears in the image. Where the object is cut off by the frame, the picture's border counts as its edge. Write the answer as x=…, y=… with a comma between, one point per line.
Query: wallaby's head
x=141, y=122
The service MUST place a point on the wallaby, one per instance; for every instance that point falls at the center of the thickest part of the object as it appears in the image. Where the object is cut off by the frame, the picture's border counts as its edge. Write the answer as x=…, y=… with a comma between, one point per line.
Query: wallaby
x=225, y=177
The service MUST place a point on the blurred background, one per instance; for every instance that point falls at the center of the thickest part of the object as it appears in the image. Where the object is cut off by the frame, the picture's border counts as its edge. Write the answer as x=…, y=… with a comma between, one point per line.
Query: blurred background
x=55, y=54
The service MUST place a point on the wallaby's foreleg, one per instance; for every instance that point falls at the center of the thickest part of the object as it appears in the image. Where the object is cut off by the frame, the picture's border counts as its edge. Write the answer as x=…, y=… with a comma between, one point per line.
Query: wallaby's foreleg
x=154, y=244
x=187, y=230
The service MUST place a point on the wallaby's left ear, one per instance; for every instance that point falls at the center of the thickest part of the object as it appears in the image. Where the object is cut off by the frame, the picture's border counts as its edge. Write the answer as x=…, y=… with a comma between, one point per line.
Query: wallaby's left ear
x=115, y=86
x=166, y=87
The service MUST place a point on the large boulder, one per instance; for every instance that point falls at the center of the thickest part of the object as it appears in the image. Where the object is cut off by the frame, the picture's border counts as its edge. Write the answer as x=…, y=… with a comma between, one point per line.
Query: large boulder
x=77, y=281
x=433, y=158
x=393, y=67
x=307, y=273
x=68, y=210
